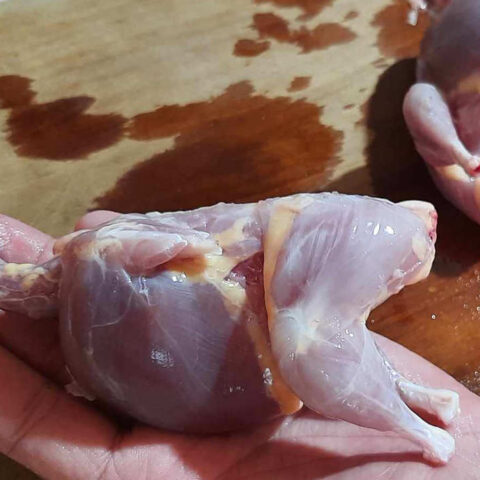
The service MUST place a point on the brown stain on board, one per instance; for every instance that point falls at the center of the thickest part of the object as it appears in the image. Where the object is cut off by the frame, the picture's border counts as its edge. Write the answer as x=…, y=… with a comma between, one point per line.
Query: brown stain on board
x=363, y=114
x=299, y=83
x=309, y=7
x=57, y=130
x=246, y=47
x=351, y=15
x=270, y=25
x=439, y=317
x=324, y=35
x=15, y=91
x=396, y=38
x=238, y=146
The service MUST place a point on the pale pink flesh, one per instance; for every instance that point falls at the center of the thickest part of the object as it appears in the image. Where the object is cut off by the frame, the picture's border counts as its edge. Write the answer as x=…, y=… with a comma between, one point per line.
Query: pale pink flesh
x=442, y=110
x=432, y=127
x=323, y=289
x=341, y=257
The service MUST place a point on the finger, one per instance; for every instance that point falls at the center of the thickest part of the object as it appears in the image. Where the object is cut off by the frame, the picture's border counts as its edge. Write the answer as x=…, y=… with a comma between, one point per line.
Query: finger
x=33, y=341
x=36, y=342
x=20, y=243
x=93, y=219
x=48, y=431
x=86, y=223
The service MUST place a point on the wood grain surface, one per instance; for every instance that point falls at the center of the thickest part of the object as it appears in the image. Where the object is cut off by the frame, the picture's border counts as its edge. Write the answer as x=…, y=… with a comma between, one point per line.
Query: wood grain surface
x=173, y=104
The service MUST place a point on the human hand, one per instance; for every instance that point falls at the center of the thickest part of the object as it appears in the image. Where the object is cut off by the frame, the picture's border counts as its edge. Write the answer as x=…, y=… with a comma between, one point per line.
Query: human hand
x=62, y=437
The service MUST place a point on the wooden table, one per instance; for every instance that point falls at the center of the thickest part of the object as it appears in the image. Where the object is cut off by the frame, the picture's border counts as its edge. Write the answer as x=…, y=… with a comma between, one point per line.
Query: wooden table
x=158, y=105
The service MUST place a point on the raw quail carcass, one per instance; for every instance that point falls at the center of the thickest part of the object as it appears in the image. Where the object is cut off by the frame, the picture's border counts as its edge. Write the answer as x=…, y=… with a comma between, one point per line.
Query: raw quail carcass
x=228, y=316
x=443, y=108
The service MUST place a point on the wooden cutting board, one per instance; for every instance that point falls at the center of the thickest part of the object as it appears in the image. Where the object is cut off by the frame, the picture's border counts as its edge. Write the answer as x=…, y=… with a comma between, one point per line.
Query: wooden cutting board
x=173, y=104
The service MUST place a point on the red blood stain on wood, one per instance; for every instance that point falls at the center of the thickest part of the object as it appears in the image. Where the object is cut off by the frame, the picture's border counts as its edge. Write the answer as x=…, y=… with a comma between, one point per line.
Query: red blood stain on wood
x=324, y=35
x=396, y=38
x=15, y=91
x=299, y=83
x=438, y=317
x=309, y=7
x=239, y=146
x=351, y=15
x=250, y=48
x=349, y=106
x=364, y=113
x=57, y=130
x=269, y=25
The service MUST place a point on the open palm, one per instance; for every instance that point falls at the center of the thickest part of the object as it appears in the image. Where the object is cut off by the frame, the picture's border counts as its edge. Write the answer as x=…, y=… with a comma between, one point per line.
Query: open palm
x=62, y=437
